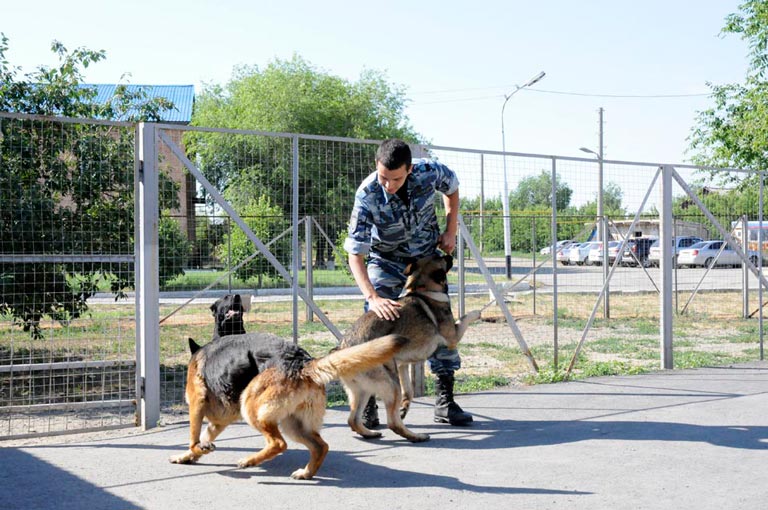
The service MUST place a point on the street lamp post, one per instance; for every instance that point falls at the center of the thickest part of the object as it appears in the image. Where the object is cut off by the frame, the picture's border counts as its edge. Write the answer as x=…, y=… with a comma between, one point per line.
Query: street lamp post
x=602, y=221
x=505, y=201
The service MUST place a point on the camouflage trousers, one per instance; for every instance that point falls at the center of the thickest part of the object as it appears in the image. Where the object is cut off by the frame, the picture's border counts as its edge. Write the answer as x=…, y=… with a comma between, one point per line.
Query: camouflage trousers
x=388, y=279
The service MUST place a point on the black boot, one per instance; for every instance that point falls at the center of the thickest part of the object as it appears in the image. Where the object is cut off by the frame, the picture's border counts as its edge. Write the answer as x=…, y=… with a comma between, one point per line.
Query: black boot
x=371, y=414
x=446, y=410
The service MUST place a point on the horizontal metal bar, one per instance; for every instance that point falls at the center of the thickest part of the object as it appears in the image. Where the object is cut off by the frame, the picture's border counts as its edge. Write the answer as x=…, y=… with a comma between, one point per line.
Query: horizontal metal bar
x=68, y=406
x=69, y=431
x=65, y=259
x=65, y=120
x=63, y=365
x=488, y=152
x=274, y=134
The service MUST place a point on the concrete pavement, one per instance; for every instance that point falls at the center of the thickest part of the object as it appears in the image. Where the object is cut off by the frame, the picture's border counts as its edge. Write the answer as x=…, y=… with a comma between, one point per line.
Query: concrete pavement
x=669, y=440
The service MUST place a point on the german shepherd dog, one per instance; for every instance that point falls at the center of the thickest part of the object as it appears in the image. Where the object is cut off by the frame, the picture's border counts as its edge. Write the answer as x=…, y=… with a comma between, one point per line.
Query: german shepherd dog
x=427, y=321
x=275, y=385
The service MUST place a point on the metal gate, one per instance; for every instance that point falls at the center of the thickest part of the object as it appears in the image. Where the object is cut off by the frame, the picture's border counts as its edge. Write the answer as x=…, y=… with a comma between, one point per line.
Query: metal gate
x=67, y=345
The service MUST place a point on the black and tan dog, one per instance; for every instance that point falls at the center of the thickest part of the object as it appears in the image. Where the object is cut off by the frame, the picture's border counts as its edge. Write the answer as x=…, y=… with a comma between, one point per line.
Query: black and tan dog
x=228, y=315
x=275, y=385
x=427, y=321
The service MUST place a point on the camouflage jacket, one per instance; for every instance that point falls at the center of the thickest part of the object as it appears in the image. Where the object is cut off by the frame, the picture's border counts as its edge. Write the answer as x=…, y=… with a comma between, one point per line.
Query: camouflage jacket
x=382, y=226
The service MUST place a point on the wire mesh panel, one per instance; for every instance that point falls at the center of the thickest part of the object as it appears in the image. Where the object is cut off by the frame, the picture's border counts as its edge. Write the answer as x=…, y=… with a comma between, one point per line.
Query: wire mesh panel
x=561, y=281
x=558, y=306
x=67, y=344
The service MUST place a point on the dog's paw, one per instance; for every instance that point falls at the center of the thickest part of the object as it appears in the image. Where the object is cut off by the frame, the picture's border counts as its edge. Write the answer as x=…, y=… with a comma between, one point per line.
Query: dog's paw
x=473, y=316
x=418, y=438
x=370, y=434
x=207, y=447
x=187, y=458
x=301, y=474
x=245, y=462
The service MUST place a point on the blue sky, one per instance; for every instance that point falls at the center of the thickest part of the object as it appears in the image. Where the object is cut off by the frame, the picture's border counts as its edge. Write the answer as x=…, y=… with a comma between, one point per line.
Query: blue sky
x=456, y=59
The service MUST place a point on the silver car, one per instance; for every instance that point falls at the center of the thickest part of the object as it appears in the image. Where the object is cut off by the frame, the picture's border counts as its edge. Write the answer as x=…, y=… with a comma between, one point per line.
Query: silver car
x=703, y=254
x=678, y=243
x=579, y=255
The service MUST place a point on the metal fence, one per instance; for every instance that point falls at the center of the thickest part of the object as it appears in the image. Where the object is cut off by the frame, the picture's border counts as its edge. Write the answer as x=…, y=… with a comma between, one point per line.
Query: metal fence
x=264, y=214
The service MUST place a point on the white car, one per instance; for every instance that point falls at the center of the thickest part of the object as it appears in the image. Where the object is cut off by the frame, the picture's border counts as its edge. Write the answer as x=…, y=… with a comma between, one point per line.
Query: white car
x=703, y=254
x=580, y=255
x=563, y=256
x=564, y=243
x=596, y=253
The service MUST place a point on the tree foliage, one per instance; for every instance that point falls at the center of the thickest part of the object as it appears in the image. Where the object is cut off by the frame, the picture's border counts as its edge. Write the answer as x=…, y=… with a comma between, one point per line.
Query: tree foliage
x=292, y=96
x=536, y=192
x=734, y=131
x=65, y=188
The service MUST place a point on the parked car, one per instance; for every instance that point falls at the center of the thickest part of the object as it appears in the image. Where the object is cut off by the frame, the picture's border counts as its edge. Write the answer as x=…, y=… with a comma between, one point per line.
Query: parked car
x=678, y=243
x=563, y=256
x=580, y=255
x=596, y=253
x=564, y=243
x=637, y=251
x=703, y=254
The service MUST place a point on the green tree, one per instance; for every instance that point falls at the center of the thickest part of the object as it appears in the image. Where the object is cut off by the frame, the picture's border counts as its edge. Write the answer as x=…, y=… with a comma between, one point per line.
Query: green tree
x=292, y=96
x=61, y=184
x=535, y=192
x=613, y=198
x=734, y=131
x=267, y=221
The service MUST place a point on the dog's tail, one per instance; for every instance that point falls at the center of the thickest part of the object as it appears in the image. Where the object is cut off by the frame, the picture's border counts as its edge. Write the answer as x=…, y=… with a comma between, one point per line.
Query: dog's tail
x=351, y=360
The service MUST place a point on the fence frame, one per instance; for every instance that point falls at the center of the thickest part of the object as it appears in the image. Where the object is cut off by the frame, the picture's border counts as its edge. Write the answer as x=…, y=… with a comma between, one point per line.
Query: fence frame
x=148, y=136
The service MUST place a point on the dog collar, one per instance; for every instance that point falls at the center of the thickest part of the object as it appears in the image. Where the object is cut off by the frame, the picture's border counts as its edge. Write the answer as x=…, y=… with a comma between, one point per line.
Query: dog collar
x=437, y=296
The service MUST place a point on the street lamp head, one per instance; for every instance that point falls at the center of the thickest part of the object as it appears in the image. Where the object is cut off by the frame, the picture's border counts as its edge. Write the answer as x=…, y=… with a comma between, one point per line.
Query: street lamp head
x=535, y=79
x=589, y=151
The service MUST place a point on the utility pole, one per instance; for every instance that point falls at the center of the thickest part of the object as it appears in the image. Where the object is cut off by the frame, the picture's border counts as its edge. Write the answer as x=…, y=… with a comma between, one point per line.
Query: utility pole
x=603, y=225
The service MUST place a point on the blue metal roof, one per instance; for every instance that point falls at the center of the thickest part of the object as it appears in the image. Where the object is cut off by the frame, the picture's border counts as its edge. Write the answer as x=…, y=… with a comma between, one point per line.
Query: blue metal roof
x=182, y=97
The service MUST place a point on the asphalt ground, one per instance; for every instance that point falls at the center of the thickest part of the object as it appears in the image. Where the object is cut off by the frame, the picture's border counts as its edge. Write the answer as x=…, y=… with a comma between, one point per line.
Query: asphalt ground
x=688, y=439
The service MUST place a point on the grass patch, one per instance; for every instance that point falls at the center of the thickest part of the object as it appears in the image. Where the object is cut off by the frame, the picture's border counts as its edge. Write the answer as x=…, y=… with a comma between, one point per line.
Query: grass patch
x=698, y=359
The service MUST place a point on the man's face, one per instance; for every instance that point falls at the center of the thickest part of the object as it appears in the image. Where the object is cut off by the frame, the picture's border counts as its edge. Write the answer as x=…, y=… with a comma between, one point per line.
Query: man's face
x=392, y=180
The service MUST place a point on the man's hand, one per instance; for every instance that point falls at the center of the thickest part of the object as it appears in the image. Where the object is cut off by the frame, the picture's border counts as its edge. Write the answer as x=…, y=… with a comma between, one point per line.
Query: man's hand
x=384, y=308
x=447, y=242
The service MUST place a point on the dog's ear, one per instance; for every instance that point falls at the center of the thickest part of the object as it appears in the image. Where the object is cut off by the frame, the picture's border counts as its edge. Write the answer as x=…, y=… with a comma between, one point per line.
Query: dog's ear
x=193, y=347
x=214, y=307
x=448, y=262
x=409, y=269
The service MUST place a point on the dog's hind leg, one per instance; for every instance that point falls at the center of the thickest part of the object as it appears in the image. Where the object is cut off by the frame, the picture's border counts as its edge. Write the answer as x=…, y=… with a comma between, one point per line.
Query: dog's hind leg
x=297, y=430
x=274, y=447
x=358, y=397
x=391, y=398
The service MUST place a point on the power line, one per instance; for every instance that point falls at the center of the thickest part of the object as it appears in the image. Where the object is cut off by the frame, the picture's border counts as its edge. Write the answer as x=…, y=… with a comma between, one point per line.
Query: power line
x=629, y=96
x=558, y=92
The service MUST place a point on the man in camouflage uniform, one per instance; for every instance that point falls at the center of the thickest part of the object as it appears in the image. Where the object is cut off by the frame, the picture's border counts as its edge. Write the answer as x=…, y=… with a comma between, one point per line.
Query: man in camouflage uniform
x=394, y=222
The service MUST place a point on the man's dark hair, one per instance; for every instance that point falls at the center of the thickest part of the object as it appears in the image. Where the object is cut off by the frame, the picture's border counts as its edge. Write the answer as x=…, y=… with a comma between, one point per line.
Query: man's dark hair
x=393, y=154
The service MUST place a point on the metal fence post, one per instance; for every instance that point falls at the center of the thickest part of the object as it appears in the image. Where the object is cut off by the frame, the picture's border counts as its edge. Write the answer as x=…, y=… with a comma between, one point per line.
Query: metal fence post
x=148, y=281
x=665, y=266
x=744, y=268
x=553, y=251
x=461, y=270
x=295, y=236
x=760, y=247
x=308, y=270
